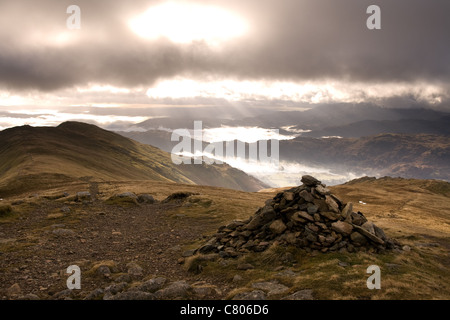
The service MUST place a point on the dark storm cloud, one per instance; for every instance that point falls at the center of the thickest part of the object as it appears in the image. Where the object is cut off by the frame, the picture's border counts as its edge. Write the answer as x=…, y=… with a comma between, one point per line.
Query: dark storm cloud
x=289, y=39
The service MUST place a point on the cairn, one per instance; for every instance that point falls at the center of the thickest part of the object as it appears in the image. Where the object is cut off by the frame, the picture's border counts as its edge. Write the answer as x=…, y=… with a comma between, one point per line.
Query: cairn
x=307, y=216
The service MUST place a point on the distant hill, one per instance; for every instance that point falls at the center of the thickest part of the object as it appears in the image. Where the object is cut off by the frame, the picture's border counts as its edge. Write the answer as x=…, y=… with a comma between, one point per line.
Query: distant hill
x=374, y=127
x=32, y=156
x=420, y=156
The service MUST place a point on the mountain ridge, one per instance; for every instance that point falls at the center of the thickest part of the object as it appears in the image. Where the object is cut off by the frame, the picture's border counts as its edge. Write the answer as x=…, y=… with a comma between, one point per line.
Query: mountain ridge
x=75, y=150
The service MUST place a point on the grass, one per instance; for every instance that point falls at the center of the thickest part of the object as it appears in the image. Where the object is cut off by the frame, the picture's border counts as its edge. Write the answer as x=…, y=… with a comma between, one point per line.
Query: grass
x=414, y=212
x=5, y=210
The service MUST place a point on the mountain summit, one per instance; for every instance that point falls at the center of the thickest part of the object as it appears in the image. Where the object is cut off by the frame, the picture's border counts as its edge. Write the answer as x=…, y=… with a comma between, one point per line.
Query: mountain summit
x=33, y=156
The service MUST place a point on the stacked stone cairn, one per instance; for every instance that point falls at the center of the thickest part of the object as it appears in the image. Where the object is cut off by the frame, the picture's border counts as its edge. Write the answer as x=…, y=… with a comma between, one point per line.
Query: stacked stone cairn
x=309, y=217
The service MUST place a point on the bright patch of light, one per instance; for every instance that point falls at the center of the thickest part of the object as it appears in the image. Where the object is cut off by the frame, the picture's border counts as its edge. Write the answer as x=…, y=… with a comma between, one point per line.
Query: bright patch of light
x=244, y=134
x=183, y=23
x=304, y=92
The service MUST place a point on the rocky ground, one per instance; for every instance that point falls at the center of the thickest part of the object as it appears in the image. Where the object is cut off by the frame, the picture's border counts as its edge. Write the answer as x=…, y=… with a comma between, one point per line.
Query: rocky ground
x=130, y=246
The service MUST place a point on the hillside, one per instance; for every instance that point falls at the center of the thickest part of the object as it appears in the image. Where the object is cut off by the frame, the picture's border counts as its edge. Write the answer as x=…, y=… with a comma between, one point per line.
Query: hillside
x=128, y=250
x=31, y=157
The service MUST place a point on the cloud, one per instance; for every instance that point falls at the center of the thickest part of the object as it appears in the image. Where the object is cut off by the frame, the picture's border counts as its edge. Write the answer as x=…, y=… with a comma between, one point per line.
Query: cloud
x=289, y=41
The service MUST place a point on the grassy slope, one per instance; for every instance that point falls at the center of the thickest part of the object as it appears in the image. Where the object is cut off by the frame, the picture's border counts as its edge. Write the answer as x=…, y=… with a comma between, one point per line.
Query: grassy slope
x=75, y=150
x=416, y=212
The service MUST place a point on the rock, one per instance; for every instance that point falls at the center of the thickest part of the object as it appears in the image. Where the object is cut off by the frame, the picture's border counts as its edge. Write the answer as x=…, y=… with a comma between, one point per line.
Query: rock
x=272, y=288
x=358, y=238
x=176, y=290
x=237, y=278
x=153, y=285
x=277, y=227
x=65, y=209
x=306, y=294
x=348, y=209
x=342, y=227
x=308, y=217
x=310, y=181
x=116, y=288
x=253, y=295
x=369, y=235
x=134, y=270
x=29, y=297
x=369, y=227
x=206, y=290
x=134, y=295
x=406, y=248
x=127, y=195
x=380, y=233
x=145, y=198
x=307, y=196
x=62, y=295
x=289, y=196
x=83, y=196
x=322, y=190
x=95, y=294
x=103, y=271
x=304, y=215
x=329, y=215
x=358, y=218
x=14, y=290
x=123, y=278
x=332, y=205
x=312, y=209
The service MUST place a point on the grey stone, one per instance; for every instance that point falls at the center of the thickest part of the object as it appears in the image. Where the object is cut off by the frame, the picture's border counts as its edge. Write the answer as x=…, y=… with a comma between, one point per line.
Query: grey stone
x=127, y=195
x=123, y=278
x=329, y=215
x=358, y=218
x=237, y=278
x=322, y=190
x=83, y=195
x=65, y=209
x=277, y=227
x=306, y=195
x=358, y=238
x=134, y=270
x=348, y=209
x=95, y=294
x=312, y=209
x=342, y=227
x=176, y=290
x=332, y=205
x=145, y=198
x=253, y=295
x=369, y=235
x=103, y=271
x=272, y=288
x=153, y=285
x=310, y=181
x=29, y=297
x=134, y=295
x=116, y=288
x=304, y=215
x=306, y=294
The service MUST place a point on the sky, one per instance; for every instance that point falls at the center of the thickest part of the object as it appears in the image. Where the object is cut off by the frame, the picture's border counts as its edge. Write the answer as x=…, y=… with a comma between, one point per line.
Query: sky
x=131, y=57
